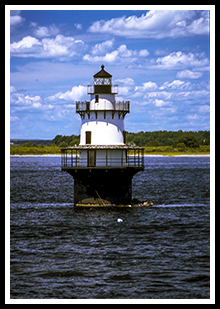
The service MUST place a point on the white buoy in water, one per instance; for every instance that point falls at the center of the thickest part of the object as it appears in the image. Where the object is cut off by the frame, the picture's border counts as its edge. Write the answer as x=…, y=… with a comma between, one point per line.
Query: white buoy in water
x=119, y=220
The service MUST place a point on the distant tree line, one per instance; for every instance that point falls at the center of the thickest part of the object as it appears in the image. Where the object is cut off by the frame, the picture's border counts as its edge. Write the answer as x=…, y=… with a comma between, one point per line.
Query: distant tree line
x=29, y=142
x=177, y=139
x=59, y=140
x=157, y=142
x=169, y=138
x=64, y=141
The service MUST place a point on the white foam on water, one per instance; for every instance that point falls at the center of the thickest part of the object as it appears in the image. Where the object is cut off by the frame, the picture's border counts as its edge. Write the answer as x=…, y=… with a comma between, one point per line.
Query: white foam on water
x=180, y=205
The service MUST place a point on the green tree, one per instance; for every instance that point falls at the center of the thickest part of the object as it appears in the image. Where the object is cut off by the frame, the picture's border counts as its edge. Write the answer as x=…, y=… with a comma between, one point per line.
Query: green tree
x=204, y=141
x=57, y=139
x=181, y=146
x=137, y=140
x=63, y=144
x=188, y=140
x=154, y=143
x=74, y=142
x=28, y=144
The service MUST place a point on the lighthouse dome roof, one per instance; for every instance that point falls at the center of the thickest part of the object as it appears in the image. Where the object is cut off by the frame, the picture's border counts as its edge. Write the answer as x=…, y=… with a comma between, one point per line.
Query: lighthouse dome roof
x=102, y=73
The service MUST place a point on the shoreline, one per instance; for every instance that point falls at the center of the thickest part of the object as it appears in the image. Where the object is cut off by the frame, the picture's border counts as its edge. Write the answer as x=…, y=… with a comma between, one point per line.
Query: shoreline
x=145, y=155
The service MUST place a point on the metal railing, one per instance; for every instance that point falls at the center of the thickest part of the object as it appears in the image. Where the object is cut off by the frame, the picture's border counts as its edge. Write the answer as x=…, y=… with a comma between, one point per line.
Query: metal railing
x=71, y=159
x=91, y=89
x=122, y=106
x=118, y=106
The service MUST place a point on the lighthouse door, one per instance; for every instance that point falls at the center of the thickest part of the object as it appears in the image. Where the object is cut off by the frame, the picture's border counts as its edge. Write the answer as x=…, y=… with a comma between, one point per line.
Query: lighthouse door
x=91, y=162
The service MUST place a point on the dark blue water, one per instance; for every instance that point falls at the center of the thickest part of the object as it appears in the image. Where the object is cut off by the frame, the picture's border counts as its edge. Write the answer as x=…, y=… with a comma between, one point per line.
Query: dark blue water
x=59, y=251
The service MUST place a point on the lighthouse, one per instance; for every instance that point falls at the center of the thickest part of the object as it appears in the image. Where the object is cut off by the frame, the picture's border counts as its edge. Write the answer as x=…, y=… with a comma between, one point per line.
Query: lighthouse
x=102, y=165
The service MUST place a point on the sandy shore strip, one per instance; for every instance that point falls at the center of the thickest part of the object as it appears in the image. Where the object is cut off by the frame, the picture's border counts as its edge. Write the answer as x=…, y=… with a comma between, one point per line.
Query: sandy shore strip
x=38, y=155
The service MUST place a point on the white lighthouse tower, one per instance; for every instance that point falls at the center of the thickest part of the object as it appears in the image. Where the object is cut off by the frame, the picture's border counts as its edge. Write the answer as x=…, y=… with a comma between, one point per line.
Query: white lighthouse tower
x=104, y=119
x=102, y=165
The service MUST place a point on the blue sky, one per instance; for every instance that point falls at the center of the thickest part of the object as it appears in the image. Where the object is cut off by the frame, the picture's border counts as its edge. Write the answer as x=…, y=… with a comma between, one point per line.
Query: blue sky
x=159, y=59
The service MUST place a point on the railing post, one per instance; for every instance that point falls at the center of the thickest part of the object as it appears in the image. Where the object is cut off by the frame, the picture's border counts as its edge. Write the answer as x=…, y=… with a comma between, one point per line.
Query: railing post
x=76, y=158
x=121, y=158
x=134, y=157
x=106, y=159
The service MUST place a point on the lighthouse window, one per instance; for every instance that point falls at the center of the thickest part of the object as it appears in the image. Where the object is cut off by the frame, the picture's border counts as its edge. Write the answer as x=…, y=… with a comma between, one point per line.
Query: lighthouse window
x=88, y=137
x=96, y=98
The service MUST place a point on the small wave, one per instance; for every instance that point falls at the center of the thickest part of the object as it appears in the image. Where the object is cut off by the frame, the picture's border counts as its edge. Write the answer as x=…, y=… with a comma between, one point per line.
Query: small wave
x=180, y=205
x=179, y=155
x=29, y=205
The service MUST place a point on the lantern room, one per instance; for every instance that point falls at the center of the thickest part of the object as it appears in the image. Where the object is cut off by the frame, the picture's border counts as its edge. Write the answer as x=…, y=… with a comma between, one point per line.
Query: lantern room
x=102, y=83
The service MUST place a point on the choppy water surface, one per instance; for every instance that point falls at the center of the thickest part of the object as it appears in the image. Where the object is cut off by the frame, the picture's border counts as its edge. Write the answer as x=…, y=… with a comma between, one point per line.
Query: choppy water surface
x=59, y=251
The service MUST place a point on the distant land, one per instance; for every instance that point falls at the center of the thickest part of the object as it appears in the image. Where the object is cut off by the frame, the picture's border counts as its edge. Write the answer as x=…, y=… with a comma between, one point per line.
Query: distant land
x=154, y=138
x=19, y=142
x=156, y=142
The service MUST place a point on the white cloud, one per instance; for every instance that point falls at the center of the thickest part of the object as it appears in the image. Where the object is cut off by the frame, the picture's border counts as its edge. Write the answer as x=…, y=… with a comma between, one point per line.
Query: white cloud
x=37, y=105
x=200, y=93
x=160, y=103
x=26, y=43
x=76, y=93
x=195, y=116
x=16, y=20
x=143, y=53
x=78, y=26
x=126, y=81
x=200, y=25
x=156, y=24
x=179, y=59
x=103, y=47
x=41, y=32
x=204, y=108
x=183, y=94
x=109, y=57
x=192, y=95
x=170, y=110
x=176, y=91
x=158, y=94
x=123, y=90
x=122, y=53
x=189, y=74
x=60, y=46
x=12, y=89
x=22, y=102
x=147, y=86
x=14, y=118
x=32, y=100
x=176, y=84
